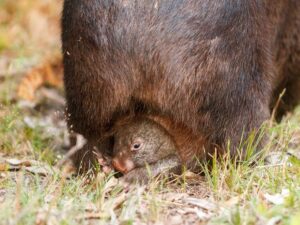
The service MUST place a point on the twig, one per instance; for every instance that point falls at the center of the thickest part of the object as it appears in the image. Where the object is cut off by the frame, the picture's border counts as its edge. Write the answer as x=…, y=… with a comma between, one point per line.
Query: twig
x=276, y=107
x=80, y=142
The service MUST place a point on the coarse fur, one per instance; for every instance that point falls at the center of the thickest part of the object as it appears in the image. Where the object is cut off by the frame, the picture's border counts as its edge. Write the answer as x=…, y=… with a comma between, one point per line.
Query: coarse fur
x=216, y=66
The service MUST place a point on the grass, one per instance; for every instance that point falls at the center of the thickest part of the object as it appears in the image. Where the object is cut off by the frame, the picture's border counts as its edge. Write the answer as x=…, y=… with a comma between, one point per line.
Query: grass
x=251, y=192
x=19, y=139
x=238, y=191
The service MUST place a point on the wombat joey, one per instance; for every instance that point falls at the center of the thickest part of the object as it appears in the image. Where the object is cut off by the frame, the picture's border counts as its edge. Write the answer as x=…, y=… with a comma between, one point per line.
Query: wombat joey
x=143, y=149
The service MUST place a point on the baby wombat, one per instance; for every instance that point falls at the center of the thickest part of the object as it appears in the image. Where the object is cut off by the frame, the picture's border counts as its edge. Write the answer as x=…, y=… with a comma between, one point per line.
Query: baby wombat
x=143, y=148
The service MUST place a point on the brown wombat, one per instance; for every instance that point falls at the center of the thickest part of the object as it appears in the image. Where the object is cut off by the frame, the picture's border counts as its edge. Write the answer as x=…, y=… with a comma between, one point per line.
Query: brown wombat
x=142, y=146
x=217, y=67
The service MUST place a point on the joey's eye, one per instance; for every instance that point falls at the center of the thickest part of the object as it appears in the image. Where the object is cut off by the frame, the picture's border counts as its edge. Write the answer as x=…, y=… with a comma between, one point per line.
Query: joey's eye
x=136, y=145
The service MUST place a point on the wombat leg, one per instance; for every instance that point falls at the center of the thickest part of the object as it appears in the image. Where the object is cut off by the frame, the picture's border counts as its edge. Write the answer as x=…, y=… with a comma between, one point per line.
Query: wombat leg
x=93, y=156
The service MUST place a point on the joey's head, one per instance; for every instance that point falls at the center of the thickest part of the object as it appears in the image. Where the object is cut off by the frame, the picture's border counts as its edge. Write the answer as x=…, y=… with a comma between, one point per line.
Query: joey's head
x=140, y=142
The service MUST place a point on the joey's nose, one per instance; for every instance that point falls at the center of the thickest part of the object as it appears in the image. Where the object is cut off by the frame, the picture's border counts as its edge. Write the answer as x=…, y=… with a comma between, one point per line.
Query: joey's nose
x=123, y=166
x=119, y=166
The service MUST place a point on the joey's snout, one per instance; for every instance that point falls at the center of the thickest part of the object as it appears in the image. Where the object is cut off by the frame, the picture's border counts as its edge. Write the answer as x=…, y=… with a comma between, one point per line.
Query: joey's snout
x=123, y=165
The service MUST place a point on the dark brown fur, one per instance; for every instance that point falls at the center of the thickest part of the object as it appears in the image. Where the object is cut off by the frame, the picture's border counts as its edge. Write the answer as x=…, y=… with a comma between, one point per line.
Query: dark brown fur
x=215, y=66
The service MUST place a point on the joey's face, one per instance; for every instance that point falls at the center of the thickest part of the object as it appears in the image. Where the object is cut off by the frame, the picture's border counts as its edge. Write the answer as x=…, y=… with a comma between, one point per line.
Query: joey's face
x=136, y=152
x=139, y=143
x=136, y=147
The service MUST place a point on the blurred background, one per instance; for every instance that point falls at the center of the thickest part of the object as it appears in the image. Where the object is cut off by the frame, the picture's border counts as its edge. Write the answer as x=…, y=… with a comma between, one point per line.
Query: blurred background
x=29, y=32
x=31, y=94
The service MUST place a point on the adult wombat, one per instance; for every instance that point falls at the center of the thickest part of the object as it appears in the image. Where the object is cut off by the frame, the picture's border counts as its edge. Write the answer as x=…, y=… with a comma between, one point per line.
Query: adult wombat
x=214, y=66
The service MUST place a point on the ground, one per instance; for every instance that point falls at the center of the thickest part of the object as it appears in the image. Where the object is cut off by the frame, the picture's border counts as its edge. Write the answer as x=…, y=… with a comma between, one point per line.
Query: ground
x=35, y=189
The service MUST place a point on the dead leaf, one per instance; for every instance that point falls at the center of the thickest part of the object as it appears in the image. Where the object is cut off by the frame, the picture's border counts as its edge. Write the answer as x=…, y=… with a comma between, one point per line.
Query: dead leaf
x=49, y=72
x=200, y=214
x=41, y=170
x=202, y=203
x=90, y=207
x=277, y=199
x=91, y=216
x=3, y=167
x=80, y=142
x=17, y=162
x=190, y=175
x=276, y=159
x=119, y=200
x=174, y=197
x=14, y=164
x=275, y=220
